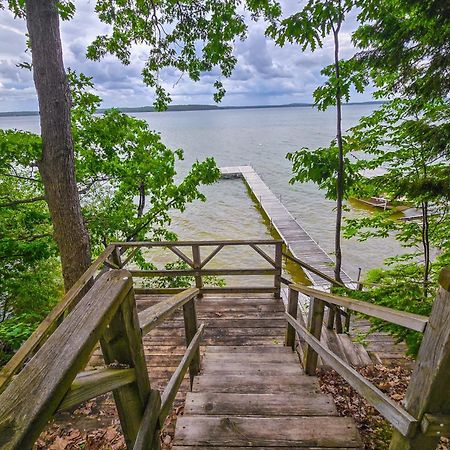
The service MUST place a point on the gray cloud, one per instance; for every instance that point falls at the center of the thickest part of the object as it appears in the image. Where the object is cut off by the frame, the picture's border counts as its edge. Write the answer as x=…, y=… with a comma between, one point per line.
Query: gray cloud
x=265, y=73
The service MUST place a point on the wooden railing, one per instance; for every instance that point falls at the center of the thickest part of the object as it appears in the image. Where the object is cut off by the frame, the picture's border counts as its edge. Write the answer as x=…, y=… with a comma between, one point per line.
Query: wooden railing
x=197, y=264
x=51, y=380
x=121, y=254
x=425, y=416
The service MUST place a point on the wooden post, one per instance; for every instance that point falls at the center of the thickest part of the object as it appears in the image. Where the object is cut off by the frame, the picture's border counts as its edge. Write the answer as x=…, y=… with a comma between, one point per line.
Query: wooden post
x=149, y=429
x=292, y=310
x=190, y=327
x=338, y=319
x=122, y=345
x=279, y=268
x=115, y=257
x=197, y=266
x=428, y=391
x=316, y=311
x=331, y=315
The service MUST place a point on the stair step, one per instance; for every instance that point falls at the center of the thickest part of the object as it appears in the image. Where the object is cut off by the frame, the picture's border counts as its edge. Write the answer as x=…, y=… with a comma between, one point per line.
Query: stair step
x=292, y=404
x=277, y=432
x=224, y=349
x=270, y=384
x=275, y=358
x=250, y=368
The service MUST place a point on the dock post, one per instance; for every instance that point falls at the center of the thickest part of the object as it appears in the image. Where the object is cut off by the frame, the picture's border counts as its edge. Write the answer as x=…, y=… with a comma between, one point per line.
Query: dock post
x=279, y=268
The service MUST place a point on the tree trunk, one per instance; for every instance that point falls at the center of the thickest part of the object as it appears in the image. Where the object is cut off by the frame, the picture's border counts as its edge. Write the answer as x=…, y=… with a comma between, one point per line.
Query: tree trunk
x=426, y=247
x=340, y=174
x=56, y=166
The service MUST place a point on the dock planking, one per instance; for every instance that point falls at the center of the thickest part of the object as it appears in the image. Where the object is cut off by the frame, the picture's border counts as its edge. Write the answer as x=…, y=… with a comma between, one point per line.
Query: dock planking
x=298, y=241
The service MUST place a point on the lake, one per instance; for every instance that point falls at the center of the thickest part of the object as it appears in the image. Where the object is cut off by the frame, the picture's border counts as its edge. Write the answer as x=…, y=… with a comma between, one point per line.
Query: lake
x=261, y=138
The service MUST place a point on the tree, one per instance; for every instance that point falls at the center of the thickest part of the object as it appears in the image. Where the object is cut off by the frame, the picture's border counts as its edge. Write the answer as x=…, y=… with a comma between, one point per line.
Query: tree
x=172, y=30
x=117, y=159
x=309, y=28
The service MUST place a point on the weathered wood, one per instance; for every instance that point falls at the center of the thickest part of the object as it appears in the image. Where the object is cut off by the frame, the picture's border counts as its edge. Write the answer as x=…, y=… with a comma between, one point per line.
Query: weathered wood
x=122, y=344
x=409, y=320
x=435, y=425
x=197, y=261
x=428, y=391
x=271, y=384
x=264, y=255
x=211, y=290
x=201, y=272
x=34, y=395
x=172, y=387
x=292, y=404
x=148, y=434
x=211, y=255
x=267, y=431
x=151, y=317
x=388, y=408
x=131, y=256
x=93, y=383
x=279, y=268
x=315, y=322
x=292, y=310
x=313, y=270
x=47, y=326
x=181, y=255
x=250, y=368
x=224, y=242
x=190, y=329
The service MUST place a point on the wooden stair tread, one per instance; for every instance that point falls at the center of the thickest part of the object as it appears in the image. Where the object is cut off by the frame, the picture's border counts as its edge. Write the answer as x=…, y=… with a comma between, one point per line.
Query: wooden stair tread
x=267, y=431
x=255, y=383
x=225, y=358
x=250, y=368
x=292, y=404
x=252, y=350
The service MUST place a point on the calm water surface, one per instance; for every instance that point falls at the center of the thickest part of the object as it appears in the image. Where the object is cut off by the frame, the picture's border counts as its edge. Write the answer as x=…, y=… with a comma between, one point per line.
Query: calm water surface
x=261, y=138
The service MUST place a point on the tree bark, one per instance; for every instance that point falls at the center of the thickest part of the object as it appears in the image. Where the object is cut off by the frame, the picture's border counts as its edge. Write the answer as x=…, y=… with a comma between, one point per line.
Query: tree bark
x=56, y=165
x=340, y=174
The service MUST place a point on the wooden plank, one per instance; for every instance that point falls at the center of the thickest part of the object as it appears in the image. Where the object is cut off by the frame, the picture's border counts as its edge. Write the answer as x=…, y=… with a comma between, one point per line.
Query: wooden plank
x=224, y=242
x=271, y=349
x=201, y=272
x=263, y=254
x=172, y=387
x=409, y=320
x=251, y=368
x=151, y=317
x=388, y=408
x=34, y=395
x=121, y=344
x=93, y=383
x=292, y=310
x=211, y=255
x=428, y=391
x=249, y=357
x=149, y=429
x=315, y=322
x=271, y=384
x=47, y=326
x=191, y=333
x=267, y=431
x=239, y=289
x=214, y=404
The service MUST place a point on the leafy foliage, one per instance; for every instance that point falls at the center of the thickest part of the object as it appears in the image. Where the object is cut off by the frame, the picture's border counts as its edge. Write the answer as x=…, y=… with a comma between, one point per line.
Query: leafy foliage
x=118, y=159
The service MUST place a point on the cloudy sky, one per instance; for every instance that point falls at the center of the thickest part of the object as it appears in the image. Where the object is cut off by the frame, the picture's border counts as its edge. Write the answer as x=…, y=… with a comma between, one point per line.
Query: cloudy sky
x=265, y=74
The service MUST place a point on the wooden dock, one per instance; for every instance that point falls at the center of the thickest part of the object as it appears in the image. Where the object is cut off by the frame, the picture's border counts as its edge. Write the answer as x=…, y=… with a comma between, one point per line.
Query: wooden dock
x=298, y=241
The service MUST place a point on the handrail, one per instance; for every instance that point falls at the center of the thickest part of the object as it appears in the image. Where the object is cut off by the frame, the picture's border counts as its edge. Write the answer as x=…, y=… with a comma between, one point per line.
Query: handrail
x=151, y=317
x=49, y=323
x=33, y=396
x=312, y=269
x=399, y=418
x=199, y=243
x=174, y=383
x=409, y=320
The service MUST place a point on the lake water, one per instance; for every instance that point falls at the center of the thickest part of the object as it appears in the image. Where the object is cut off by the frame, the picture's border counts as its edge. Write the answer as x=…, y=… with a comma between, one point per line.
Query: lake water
x=261, y=138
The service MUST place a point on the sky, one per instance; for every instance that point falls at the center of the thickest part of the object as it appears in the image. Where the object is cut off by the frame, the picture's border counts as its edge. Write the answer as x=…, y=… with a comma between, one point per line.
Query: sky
x=265, y=74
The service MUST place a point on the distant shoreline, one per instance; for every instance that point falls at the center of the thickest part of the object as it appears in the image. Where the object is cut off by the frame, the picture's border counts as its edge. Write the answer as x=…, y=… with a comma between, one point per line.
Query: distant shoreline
x=142, y=109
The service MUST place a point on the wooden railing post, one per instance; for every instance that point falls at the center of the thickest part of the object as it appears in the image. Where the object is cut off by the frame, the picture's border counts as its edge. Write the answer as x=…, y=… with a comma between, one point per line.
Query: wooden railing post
x=190, y=327
x=292, y=310
x=428, y=395
x=115, y=257
x=196, y=258
x=315, y=321
x=122, y=345
x=279, y=268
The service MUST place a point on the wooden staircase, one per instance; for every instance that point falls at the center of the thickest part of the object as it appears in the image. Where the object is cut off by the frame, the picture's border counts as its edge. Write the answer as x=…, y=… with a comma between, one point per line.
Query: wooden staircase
x=258, y=397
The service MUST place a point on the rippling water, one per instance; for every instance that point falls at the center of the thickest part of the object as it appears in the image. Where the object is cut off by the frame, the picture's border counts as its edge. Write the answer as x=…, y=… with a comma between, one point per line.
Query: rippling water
x=261, y=138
